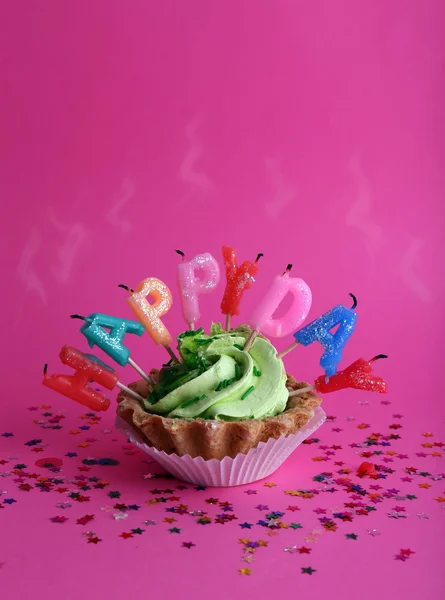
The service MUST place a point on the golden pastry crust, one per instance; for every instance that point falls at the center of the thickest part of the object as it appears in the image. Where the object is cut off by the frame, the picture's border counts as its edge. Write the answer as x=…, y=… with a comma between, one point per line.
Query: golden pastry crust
x=211, y=438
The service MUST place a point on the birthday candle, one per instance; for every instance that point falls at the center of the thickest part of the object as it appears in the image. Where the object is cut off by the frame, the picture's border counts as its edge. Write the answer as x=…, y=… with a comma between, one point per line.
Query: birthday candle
x=95, y=331
x=88, y=368
x=319, y=331
x=262, y=317
x=77, y=386
x=358, y=376
x=191, y=285
x=239, y=279
x=150, y=314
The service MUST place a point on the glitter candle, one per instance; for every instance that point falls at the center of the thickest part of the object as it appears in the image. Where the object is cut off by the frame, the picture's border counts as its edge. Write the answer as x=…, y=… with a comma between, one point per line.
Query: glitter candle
x=150, y=314
x=77, y=386
x=88, y=368
x=319, y=331
x=358, y=376
x=262, y=317
x=191, y=285
x=239, y=279
x=95, y=330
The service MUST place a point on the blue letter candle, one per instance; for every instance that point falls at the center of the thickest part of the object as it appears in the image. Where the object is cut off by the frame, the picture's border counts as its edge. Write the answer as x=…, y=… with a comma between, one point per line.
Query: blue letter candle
x=319, y=331
x=110, y=342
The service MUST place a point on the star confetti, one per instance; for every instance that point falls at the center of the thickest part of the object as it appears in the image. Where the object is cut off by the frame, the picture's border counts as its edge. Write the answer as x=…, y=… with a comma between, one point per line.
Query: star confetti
x=308, y=570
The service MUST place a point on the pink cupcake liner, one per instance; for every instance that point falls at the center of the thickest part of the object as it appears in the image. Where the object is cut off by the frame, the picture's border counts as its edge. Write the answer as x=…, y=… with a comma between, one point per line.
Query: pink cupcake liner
x=258, y=463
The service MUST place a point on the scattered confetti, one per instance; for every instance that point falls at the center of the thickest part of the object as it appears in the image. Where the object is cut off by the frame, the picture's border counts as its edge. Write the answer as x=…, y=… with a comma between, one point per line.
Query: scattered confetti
x=352, y=478
x=308, y=570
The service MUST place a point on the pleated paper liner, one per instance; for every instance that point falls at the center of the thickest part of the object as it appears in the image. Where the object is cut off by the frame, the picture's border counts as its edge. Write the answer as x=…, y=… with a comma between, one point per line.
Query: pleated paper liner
x=258, y=463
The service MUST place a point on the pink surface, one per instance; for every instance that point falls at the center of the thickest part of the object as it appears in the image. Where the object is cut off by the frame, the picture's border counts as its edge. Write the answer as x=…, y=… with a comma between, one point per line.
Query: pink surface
x=311, y=132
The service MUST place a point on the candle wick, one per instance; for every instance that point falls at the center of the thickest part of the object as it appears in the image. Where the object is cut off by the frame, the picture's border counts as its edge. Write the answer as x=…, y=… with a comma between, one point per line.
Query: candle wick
x=45, y=368
x=125, y=287
x=288, y=268
x=259, y=256
x=355, y=301
x=181, y=253
x=378, y=356
x=77, y=317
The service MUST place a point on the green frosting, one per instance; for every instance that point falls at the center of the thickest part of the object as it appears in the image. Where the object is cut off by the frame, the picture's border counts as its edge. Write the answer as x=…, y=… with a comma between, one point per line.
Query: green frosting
x=219, y=380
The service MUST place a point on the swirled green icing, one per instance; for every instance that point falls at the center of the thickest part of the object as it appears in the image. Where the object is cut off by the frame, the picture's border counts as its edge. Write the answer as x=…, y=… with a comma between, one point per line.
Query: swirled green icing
x=219, y=380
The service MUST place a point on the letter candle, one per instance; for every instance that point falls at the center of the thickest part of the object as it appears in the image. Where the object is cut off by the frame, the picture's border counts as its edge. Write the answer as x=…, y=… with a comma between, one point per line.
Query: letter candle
x=86, y=370
x=319, y=331
x=150, y=314
x=358, y=376
x=95, y=331
x=239, y=279
x=262, y=317
x=191, y=285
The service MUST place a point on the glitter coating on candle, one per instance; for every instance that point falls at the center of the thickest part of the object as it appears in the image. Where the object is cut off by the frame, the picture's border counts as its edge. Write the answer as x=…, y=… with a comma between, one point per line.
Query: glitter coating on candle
x=191, y=285
x=358, y=376
x=239, y=279
x=95, y=330
x=319, y=330
x=149, y=314
x=77, y=386
x=262, y=317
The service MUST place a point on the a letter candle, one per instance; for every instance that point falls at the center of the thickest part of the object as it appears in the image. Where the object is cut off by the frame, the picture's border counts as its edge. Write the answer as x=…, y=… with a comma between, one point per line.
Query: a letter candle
x=358, y=376
x=239, y=279
x=87, y=370
x=191, y=285
x=95, y=330
x=262, y=318
x=319, y=331
x=150, y=314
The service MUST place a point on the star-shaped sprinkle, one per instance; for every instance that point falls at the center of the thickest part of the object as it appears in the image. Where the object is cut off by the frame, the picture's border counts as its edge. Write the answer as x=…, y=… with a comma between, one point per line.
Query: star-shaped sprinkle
x=393, y=514
x=248, y=558
x=58, y=519
x=308, y=570
x=85, y=520
x=120, y=516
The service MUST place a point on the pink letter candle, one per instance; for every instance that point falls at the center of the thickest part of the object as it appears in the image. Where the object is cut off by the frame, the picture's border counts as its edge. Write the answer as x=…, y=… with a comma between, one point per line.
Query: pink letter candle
x=262, y=318
x=191, y=285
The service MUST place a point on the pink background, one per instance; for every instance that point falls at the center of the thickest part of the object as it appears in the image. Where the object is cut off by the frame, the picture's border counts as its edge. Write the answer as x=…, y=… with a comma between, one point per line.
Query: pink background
x=310, y=131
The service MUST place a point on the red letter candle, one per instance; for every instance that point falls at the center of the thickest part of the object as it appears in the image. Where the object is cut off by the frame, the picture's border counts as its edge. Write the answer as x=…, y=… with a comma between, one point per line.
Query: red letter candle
x=77, y=386
x=238, y=279
x=358, y=376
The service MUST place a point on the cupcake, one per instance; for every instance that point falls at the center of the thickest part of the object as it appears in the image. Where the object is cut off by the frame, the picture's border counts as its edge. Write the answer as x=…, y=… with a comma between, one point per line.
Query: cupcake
x=220, y=402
